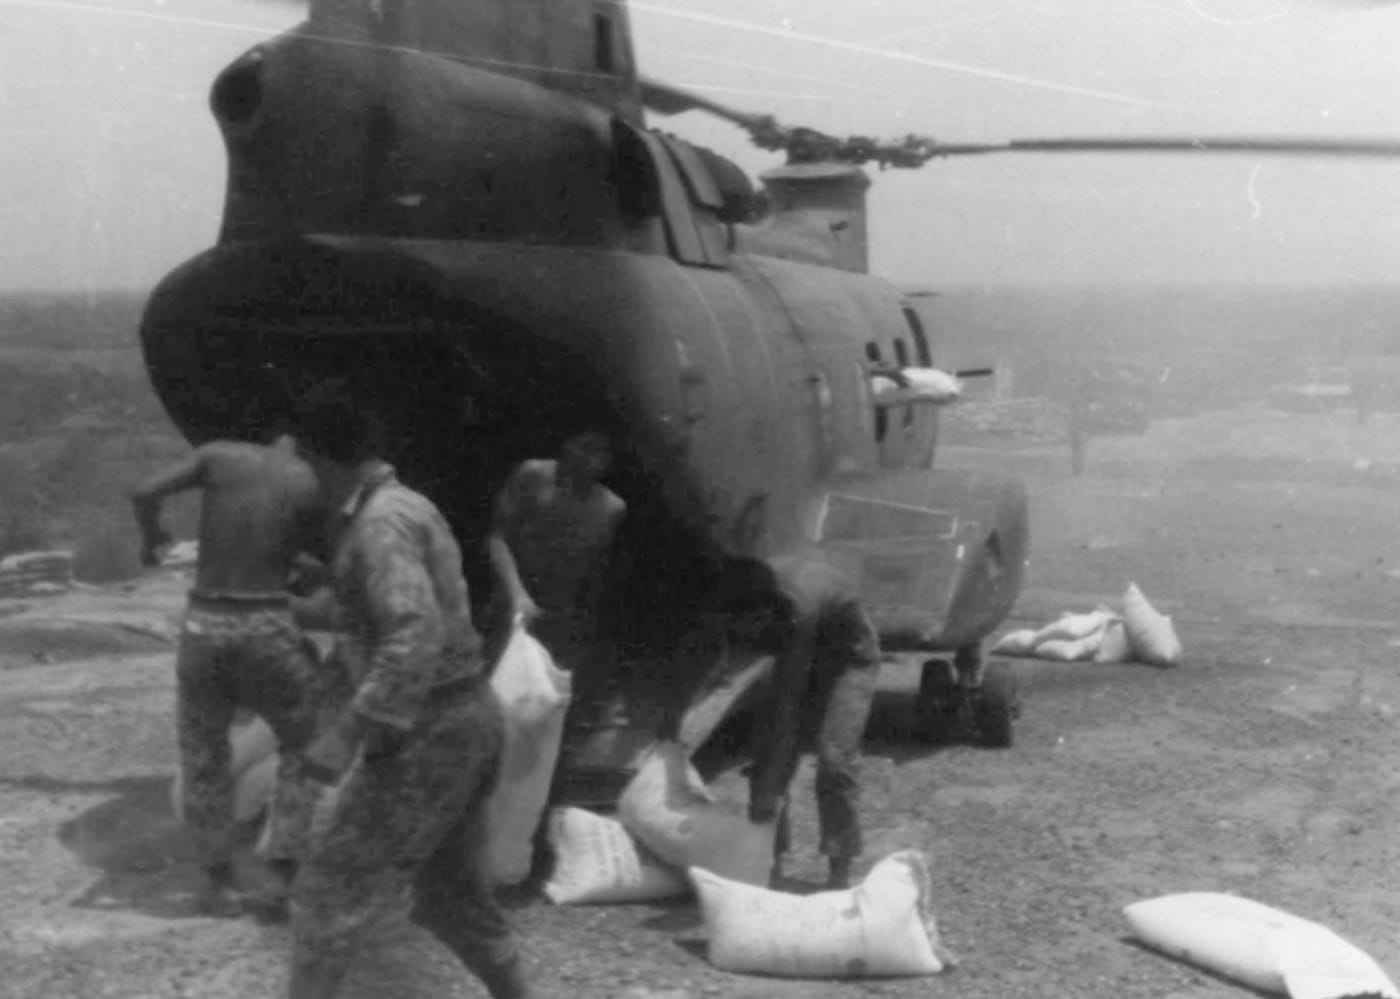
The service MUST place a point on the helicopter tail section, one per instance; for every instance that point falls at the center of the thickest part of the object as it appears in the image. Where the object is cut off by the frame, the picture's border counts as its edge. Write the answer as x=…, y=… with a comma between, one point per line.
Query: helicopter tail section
x=582, y=48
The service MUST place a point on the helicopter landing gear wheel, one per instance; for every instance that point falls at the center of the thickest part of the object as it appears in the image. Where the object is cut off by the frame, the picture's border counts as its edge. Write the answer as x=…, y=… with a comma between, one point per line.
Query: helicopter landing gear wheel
x=966, y=700
x=936, y=706
x=998, y=705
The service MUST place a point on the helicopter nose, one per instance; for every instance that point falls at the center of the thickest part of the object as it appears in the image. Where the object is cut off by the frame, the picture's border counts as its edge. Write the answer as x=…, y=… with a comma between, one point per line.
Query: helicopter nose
x=237, y=94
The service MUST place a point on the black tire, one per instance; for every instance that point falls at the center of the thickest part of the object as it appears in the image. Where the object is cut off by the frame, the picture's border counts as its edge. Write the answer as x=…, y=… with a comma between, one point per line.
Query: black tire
x=935, y=707
x=998, y=706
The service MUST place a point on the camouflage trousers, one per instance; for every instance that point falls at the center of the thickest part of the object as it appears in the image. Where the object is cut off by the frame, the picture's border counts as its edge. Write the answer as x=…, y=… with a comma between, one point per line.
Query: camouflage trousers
x=836, y=712
x=246, y=654
x=404, y=836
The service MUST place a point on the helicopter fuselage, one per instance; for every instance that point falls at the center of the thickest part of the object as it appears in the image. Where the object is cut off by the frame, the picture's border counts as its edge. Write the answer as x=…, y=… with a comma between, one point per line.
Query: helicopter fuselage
x=495, y=265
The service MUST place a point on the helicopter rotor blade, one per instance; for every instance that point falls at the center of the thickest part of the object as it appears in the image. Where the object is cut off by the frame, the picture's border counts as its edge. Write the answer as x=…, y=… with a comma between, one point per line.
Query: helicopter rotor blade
x=802, y=144
x=667, y=99
x=1265, y=146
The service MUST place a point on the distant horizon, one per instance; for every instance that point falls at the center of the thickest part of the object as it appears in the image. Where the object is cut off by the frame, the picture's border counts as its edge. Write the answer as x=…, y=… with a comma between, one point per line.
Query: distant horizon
x=909, y=286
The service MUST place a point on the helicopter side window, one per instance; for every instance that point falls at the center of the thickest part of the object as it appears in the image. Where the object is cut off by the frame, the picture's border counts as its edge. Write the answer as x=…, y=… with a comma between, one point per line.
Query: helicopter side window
x=882, y=423
x=901, y=351
x=826, y=417
x=916, y=329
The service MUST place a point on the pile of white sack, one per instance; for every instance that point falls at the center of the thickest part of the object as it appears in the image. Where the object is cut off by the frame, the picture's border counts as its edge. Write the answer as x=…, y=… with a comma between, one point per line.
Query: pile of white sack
x=672, y=836
x=1139, y=634
x=667, y=821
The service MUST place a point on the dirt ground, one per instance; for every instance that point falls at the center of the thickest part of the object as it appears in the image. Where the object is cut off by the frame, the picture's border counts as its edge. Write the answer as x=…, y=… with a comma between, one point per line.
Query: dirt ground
x=1263, y=766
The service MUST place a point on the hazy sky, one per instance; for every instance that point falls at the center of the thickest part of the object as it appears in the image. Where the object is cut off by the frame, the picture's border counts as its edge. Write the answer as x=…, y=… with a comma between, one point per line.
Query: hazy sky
x=113, y=169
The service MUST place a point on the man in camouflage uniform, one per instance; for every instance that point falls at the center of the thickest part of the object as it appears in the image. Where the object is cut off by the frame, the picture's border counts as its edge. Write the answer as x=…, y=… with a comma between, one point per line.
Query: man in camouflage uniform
x=419, y=744
x=239, y=645
x=809, y=617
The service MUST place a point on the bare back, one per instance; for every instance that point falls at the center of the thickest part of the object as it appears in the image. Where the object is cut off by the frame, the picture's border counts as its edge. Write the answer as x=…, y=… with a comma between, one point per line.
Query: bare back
x=260, y=508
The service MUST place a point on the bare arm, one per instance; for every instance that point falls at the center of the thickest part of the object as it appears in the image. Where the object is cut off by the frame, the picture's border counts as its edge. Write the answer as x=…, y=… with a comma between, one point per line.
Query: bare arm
x=148, y=497
x=498, y=550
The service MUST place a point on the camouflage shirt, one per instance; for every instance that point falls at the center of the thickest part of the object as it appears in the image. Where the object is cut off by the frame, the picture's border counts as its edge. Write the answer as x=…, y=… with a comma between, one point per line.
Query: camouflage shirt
x=397, y=576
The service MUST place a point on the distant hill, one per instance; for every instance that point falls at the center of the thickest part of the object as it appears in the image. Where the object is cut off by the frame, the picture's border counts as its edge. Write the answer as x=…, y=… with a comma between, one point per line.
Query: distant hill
x=79, y=426
x=56, y=321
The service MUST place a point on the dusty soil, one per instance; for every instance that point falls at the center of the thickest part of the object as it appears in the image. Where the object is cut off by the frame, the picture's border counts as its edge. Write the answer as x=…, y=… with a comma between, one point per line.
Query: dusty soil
x=1263, y=766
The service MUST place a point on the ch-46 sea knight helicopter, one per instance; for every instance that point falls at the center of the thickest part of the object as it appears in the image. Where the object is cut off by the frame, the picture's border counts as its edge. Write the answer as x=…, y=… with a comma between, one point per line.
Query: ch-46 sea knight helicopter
x=458, y=206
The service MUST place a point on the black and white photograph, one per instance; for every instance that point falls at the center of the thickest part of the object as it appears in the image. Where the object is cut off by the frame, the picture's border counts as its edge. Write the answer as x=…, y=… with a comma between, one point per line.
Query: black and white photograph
x=689, y=499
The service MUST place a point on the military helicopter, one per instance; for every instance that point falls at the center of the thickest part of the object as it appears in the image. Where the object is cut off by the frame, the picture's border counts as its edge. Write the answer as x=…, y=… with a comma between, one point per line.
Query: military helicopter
x=460, y=208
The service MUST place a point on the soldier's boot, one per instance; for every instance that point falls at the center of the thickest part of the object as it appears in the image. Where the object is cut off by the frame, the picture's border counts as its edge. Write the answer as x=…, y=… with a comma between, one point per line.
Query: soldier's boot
x=273, y=905
x=220, y=897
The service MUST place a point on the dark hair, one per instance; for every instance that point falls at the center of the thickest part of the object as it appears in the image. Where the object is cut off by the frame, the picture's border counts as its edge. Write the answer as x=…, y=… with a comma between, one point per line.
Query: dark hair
x=333, y=424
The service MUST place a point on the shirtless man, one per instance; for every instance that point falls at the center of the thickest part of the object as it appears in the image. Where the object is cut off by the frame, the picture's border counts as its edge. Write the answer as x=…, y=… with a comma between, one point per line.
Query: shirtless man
x=549, y=543
x=239, y=646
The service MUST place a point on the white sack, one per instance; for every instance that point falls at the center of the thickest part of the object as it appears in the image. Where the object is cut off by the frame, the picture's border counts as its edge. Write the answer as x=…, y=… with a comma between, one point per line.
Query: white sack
x=1074, y=627
x=882, y=927
x=534, y=696
x=1263, y=947
x=253, y=790
x=249, y=744
x=596, y=861
x=1015, y=643
x=916, y=385
x=668, y=808
x=1114, y=646
x=932, y=385
x=1064, y=650
x=1151, y=635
